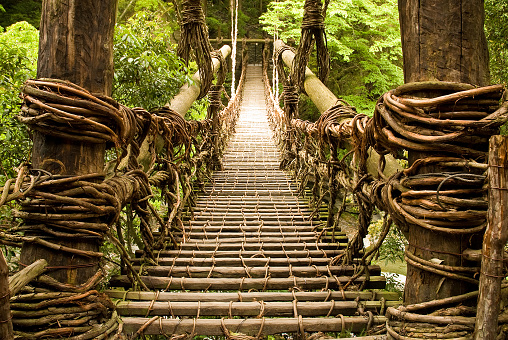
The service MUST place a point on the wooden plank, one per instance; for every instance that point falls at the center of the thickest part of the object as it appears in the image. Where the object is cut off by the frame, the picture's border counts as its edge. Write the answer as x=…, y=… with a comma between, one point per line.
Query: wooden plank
x=251, y=262
x=247, y=326
x=366, y=296
x=172, y=283
x=224, y=309
x=249, y=253
x=259, y=246
x=235, y=272
x=6, y=331
x=494, y=242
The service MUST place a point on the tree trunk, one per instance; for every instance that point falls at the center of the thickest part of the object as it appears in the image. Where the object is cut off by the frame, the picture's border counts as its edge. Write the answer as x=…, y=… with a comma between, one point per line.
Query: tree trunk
x=76, y=44
x=5, y=310
x=442, y=40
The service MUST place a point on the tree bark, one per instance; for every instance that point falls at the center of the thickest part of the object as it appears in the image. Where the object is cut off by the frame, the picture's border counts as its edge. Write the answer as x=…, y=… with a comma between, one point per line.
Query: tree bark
x=494, y=242
x=5, y=309
x=442, y=40
x=76, y=44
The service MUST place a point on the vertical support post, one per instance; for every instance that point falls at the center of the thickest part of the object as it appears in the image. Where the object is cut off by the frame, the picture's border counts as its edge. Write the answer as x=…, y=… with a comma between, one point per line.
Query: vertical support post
x=494, y=241
x=442, y=40
x=76, y=44
x=5, y=310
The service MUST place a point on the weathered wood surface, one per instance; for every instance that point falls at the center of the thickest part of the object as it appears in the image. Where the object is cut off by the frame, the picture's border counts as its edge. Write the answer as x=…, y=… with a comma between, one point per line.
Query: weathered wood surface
x=444, y=41
x=6, y=331
x=364, y=296
x=24, y=276
x=193, y=270
x=494, y=242
x=247, y=326
x=76, y=44
x=254, y=308
x=153, y=282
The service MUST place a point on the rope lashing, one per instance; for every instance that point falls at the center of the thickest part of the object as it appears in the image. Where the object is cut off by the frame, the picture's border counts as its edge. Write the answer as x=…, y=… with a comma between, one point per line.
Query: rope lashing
x=62, y=109
x=195, y=36
x=313, y=30
x=457, y=121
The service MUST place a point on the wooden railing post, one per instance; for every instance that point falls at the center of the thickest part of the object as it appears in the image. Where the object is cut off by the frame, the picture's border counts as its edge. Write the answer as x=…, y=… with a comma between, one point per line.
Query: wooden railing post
x=494, y=241
x=6, y=332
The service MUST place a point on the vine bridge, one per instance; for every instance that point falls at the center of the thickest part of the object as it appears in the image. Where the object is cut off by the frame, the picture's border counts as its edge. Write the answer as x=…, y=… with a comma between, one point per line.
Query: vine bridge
x=233, y=225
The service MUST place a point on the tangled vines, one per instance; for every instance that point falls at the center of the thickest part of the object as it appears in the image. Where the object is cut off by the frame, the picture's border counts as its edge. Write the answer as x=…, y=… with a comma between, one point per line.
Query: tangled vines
x=157, y=149
x=313, y=30
x=195, y=36
x=442, y=191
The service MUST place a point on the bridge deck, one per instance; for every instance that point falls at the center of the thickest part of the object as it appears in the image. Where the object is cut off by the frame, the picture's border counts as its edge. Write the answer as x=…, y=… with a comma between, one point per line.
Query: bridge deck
x=250, y=256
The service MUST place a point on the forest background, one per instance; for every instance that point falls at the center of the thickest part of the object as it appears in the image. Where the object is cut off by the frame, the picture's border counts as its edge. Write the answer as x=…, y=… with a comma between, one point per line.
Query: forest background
x=363, y=41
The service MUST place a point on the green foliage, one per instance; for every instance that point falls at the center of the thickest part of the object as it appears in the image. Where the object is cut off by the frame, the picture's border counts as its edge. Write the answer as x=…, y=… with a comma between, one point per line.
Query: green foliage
x=363, y=41
x=20, y=10
x=18, y=62
x=148, y=72
x=496, y=29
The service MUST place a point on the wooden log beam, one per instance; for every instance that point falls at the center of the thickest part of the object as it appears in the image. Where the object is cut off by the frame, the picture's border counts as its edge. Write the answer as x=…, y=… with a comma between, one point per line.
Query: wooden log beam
x=252, y=308
x=152, y=282
x=247, y=326
x=6, y=331
x=366, y=296
x=249, y=253
x=225, y=272
x=76, y=44
x=24, y=276
x=494, y=242
x=323, y=98
x=257, y=246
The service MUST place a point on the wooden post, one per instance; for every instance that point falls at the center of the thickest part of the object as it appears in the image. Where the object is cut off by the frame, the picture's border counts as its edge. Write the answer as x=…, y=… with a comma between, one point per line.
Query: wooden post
x=5, y=309
x=442, y=40
x=494, y=241
x=76, y=44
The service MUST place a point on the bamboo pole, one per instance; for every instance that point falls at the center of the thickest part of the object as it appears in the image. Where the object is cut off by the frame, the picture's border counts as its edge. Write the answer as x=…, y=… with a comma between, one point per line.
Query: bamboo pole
x=494, y=242
x=323, y=98
x=6, y=331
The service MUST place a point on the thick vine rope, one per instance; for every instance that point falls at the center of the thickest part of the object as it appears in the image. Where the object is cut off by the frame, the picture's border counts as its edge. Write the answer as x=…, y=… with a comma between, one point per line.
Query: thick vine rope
x=195, y=36
x=313, y=30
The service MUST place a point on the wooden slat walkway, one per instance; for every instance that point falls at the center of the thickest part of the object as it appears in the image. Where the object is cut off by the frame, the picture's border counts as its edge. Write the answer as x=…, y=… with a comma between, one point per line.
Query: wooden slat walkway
x=250, y=256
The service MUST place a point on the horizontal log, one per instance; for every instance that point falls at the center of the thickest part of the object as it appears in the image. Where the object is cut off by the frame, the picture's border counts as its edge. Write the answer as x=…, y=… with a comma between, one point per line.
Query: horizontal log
x=247, y=326
x=24, y=276
x=264, y=228
x=365, y=296
x=238, y=272
x=249, y=253
x=256, y=234
x=240, y=238
x=256, y=223
x=225, y=309
x=172, y=283
x=251, y=262
x=259, y=246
